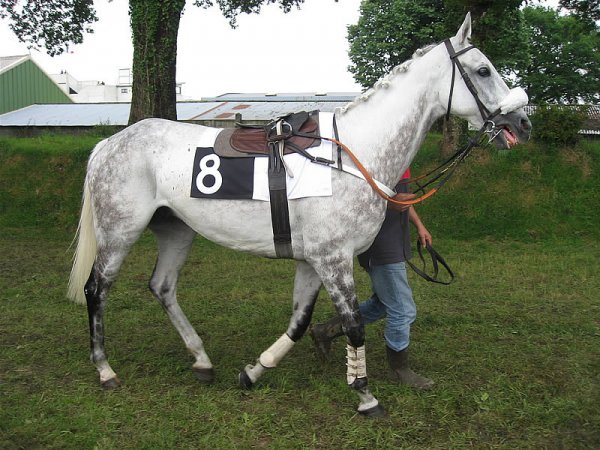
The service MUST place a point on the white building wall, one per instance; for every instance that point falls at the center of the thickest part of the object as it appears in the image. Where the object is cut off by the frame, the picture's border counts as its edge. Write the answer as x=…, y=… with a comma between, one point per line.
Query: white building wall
x=98, y=92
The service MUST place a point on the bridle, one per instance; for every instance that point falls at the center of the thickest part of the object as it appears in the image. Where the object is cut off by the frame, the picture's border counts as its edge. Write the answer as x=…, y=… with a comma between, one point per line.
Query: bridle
x=456, y=64
x=444, y=171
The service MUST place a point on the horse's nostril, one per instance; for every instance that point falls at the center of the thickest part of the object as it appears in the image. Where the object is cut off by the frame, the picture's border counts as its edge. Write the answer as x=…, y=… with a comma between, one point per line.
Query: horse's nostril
x=525, y=124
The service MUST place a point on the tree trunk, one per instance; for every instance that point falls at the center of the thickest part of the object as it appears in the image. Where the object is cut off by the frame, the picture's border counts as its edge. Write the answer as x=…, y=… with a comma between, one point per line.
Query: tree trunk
x=154, y=27
x=452, y=133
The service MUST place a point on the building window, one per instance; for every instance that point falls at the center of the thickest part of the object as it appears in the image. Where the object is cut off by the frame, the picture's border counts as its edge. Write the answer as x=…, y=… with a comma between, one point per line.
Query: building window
x=124, y=90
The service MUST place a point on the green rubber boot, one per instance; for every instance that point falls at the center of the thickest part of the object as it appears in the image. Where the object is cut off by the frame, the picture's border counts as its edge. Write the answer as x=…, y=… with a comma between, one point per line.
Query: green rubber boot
x=399, y=364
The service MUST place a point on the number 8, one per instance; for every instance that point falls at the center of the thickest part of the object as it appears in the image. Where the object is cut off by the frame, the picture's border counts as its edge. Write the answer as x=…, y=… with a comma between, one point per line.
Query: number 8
x=206, y=170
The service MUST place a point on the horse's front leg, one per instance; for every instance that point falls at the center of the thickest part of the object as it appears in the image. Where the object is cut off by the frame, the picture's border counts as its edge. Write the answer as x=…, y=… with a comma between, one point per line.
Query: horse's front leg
x=306, y=289
x=336, y=272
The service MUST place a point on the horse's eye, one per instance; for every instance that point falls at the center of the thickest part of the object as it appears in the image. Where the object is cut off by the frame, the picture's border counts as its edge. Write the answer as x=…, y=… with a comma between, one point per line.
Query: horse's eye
x=484, y=72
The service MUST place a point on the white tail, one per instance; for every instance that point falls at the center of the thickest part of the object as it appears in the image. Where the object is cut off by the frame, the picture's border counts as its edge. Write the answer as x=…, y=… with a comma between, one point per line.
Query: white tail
x=85, y=254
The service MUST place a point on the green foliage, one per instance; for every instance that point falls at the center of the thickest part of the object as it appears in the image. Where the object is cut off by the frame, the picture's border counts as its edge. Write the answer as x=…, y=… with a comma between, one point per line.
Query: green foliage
x=585, y=9
x=387, y=34
x=564, y=62
x=389, y=31
x=498, y=29
x=501, y=35
x=559, y=124
x=555, y=58
x=50, y=24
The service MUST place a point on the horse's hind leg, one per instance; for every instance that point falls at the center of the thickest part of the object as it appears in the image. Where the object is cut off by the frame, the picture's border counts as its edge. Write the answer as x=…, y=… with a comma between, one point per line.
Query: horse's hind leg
x=104, y=271
x=306, y=289
x=174, y=243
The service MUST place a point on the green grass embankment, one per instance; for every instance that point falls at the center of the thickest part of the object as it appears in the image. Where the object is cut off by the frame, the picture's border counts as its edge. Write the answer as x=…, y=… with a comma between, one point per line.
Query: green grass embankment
x=531, y=192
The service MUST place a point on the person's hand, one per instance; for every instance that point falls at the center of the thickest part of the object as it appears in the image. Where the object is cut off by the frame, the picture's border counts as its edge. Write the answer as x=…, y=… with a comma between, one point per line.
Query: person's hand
x=424, y=236
x=403, y=197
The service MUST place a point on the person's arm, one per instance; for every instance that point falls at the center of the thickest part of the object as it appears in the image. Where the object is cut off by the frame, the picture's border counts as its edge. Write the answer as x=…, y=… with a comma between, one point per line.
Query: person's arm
x=402, y=197
x=424, y=234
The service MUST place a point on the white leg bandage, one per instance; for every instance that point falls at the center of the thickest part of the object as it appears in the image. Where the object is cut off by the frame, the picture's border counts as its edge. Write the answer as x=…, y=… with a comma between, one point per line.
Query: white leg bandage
x=271, y=357
x=356, y=363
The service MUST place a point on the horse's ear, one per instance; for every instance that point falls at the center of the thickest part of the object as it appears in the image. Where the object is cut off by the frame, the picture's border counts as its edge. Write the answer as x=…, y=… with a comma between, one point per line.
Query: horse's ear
x=464, y=32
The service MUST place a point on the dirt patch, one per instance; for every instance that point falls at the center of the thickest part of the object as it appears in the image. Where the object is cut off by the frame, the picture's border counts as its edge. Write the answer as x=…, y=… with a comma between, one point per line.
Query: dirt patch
x=578, y=159
x=529, y=169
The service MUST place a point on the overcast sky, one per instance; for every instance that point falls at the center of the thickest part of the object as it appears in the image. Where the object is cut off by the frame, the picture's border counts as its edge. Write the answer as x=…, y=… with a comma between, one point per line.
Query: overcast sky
x=305, y=50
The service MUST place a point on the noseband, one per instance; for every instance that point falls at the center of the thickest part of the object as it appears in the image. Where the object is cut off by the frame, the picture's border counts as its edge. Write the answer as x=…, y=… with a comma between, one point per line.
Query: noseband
x=485, y=113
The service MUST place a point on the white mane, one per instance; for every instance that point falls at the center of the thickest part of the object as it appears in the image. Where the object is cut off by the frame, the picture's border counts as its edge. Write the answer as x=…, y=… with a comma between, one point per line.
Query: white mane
x=385, y=81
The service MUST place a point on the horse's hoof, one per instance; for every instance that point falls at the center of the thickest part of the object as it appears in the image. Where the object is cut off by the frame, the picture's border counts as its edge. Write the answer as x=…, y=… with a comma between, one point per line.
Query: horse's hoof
x=375, y=412
x=111, y=383
x=244, y=380
x=204, y=375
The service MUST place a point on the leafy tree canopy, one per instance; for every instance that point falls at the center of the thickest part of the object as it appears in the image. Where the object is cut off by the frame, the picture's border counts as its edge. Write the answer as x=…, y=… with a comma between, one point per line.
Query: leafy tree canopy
x=555, y=57
x=50, y=24
x=564, y=63
x=584, y=9
x=389, y=31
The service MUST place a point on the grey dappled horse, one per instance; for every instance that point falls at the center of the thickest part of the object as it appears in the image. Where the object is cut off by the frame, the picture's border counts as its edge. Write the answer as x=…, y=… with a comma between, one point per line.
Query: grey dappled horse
x=140, y=177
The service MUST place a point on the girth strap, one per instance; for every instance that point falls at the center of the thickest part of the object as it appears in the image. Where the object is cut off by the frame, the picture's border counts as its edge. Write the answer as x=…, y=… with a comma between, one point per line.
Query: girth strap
x=280, y=215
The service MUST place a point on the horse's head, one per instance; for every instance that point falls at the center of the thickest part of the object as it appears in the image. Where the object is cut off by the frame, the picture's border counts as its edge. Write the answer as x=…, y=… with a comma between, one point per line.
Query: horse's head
x=478, y=93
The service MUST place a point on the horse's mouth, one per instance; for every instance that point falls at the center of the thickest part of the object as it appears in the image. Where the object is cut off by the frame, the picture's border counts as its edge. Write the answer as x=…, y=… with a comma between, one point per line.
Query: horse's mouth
x=511, y=129
x=509, y=138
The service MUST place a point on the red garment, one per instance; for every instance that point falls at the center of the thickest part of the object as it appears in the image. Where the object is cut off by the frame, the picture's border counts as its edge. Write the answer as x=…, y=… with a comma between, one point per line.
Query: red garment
x=406, y=174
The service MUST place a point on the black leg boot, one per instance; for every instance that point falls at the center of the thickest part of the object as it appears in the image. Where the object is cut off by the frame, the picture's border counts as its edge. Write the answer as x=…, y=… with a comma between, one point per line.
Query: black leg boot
x=324, y=333
x=399, y=364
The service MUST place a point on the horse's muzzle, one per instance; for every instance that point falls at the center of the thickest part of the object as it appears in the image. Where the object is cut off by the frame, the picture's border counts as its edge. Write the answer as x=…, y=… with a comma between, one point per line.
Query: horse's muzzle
x=512, y=129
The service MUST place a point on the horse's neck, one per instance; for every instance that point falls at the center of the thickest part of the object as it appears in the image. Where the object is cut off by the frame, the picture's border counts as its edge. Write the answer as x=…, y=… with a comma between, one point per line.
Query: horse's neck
x=386, y=131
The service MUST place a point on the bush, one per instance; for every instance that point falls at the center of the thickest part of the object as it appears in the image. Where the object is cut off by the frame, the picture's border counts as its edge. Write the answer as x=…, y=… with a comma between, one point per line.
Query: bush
x=558, y=124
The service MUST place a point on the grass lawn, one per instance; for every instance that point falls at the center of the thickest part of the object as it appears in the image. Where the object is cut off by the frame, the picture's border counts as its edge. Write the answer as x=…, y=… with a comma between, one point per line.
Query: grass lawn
x=512, y=345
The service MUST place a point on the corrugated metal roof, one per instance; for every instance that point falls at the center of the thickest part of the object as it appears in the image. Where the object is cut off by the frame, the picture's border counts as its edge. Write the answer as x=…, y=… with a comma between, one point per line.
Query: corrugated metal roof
x=593, y=110
x=90, y=114
x=73, y=114
x=286, y=97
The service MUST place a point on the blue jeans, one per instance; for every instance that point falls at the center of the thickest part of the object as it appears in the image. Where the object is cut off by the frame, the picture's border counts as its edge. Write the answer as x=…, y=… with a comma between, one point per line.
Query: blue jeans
x=392, y=298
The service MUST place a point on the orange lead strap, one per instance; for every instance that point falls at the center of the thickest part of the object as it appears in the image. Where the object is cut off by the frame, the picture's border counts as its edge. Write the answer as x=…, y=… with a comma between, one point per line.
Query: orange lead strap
x=446, y=169
x=372, y=183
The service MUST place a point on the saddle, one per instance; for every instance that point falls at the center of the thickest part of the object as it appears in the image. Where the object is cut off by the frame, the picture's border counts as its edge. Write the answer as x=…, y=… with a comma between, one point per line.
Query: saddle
x=300, y=131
